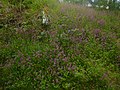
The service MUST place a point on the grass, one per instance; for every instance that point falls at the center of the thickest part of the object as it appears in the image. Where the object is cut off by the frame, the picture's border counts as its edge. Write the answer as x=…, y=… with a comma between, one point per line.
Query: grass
x=78, y=50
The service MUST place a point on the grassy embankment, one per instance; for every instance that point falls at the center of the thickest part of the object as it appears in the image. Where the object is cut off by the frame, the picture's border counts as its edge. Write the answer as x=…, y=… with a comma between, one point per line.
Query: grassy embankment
x=79, y=50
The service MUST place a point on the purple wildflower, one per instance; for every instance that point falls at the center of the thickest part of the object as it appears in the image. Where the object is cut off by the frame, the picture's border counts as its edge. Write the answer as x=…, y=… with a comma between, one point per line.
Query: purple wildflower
x=29, y=58
x=21, y=58
x=101, y=22
x=92, y=18
x=65, y=59
x=70, y=67
x=103, y=39
x=104, y=75
x=73, y=67
x=80, y=39
x=96, y=33
x=55, y=61
x=83, y=36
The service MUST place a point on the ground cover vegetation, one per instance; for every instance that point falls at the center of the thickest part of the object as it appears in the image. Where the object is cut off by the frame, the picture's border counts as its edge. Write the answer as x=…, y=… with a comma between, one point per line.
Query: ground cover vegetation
x=78, y=50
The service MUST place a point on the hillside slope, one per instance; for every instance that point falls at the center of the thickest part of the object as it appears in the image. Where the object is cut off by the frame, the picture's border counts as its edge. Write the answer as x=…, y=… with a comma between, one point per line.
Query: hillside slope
x=78, y=50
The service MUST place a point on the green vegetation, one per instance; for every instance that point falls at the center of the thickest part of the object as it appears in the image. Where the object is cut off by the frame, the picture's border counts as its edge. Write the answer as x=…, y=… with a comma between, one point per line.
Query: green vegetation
x=78, y=50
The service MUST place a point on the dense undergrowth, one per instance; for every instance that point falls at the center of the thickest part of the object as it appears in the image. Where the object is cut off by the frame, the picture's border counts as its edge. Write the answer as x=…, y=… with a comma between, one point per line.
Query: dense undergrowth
x=78, y=50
